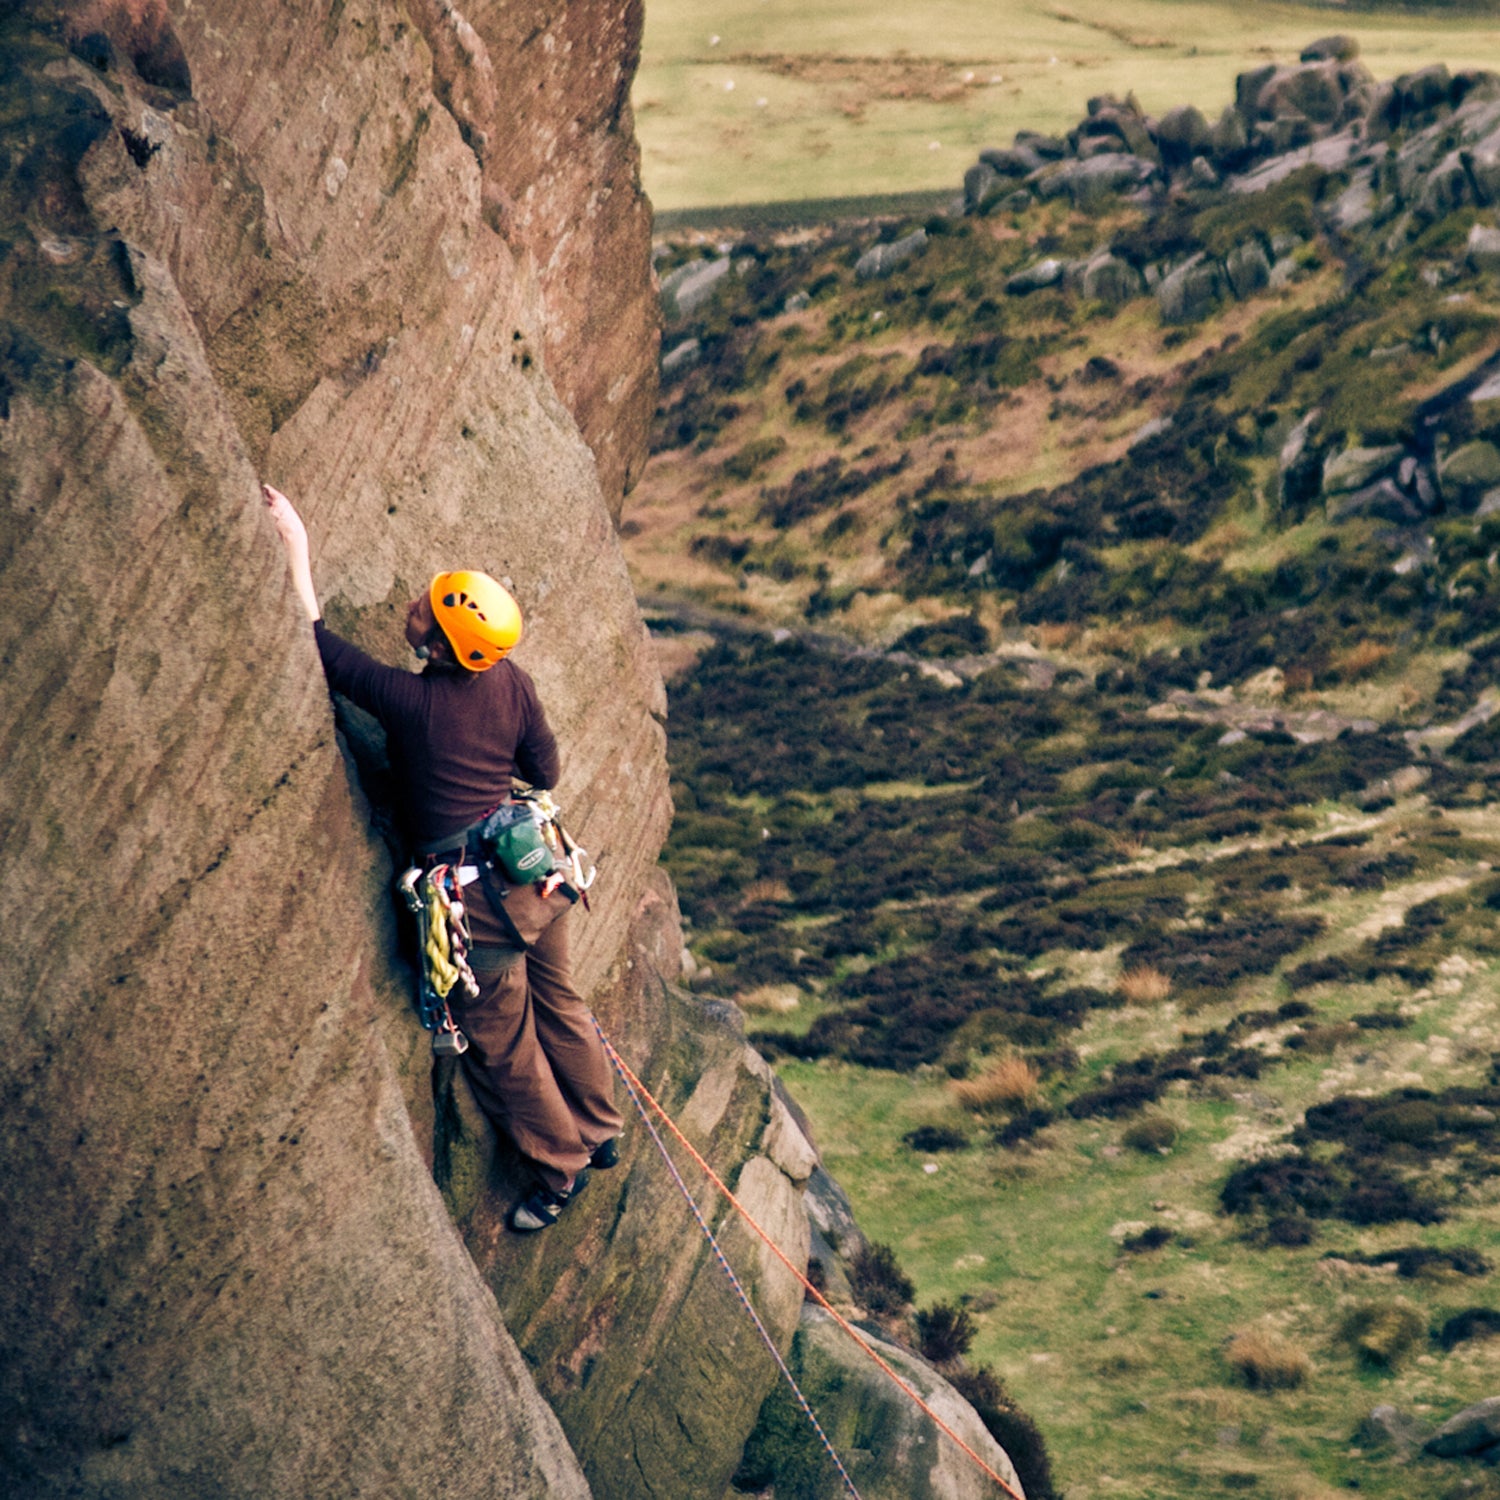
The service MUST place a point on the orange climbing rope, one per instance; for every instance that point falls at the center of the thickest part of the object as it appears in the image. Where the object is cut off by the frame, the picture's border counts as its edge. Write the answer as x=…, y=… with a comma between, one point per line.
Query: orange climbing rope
x=635, y=1084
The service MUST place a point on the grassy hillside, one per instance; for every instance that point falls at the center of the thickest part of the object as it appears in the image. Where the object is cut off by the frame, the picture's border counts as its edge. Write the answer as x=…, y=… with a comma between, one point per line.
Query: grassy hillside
x=1095, y=816
x=749, y=101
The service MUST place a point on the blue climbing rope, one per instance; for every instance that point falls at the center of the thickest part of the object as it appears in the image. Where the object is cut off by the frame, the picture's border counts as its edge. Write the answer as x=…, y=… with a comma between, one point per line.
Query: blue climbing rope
x=728, y=1270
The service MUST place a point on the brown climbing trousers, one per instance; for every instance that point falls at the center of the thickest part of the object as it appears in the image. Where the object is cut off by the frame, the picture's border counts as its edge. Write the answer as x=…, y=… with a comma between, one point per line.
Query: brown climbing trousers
x=535, y=1063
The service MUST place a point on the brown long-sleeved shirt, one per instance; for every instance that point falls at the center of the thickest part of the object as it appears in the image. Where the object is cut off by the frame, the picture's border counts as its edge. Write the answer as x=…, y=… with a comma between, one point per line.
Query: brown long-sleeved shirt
x=455, y=738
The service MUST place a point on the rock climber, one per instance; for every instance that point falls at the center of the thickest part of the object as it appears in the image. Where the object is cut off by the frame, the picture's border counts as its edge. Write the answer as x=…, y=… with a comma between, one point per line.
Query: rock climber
x=457, y=731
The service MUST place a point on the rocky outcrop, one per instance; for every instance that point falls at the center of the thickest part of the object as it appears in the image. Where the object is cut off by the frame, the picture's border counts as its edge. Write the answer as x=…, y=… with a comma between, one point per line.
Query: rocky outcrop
x=892, y=1449
x=322, y=246
x=1472, y=1433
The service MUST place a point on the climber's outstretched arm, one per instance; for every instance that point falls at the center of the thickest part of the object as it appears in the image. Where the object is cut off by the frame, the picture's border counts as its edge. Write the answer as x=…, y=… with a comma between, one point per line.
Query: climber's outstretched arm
x=294, y=534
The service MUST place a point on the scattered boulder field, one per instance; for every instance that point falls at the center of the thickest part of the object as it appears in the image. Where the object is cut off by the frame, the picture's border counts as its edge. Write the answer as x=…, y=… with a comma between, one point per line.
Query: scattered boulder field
x=1096, y=583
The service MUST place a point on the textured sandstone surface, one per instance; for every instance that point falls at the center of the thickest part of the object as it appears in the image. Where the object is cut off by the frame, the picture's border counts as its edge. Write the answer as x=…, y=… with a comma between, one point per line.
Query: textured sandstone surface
x=259, y=241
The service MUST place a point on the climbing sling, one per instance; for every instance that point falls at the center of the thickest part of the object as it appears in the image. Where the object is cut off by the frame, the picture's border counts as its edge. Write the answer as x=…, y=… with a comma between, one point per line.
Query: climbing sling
x=522, y=840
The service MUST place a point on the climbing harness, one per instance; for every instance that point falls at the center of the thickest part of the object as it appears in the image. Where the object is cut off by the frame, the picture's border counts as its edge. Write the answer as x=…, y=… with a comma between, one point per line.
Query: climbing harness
x=638, y=1093
x=522, y=840
x=434, y=898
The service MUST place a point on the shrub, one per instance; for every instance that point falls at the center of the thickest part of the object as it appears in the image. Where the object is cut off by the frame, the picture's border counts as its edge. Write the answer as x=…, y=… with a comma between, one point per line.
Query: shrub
x=1023, y=1127
x=1153, y=1133
x=1266, y=1361
x=945, y=1332
x=1115, y=1099
x=1148, y=1239
x=1381, y=1332
x=1145, y=985
x=1010, y=1083
x=1291, y=1231
x=1471, y=1323
x=878, y=1281
x=1011, y=1428
x=935, y=1138
x=1321, y=1041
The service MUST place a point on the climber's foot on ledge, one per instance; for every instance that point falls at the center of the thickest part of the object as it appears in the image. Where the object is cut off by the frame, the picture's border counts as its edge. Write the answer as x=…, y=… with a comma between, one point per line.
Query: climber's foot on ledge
x=541, y=1208
x=606, y=1154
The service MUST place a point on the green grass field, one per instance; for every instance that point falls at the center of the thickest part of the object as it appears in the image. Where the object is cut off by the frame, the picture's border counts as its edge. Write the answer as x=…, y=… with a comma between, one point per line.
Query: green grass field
x=751, y=101
x=1120, y=1357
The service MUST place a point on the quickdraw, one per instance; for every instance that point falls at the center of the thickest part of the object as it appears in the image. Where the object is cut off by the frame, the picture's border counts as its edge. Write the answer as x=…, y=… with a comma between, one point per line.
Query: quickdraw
x=433, y=898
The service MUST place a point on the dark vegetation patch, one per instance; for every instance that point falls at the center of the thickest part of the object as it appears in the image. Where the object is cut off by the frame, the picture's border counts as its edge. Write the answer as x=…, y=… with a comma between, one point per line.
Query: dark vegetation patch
x=919, y=922
x=1410, y=1155
x=821, y=488
x=932, y=1138
x=1471, y=1323
x=1413, y=1261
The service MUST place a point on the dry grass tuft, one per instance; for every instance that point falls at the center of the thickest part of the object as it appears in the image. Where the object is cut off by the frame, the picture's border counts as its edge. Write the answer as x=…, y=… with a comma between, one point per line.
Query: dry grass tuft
x=1010, y=1083
x=1057, y=637
x=1361, y=659
x=773, y=999
x=1145, y=985
x=765, y=892
x=1266, y=1361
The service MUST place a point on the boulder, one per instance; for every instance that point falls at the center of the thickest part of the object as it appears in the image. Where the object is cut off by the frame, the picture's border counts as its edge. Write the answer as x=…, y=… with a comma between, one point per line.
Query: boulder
x=1384, y=500
x=1339, y=48
x=1406, y=171
x=1088, y=183
x=891, y=1448
x=1313, y=91
x=1469, y=472
x=979, y=181
x=1033, y=278
x=1148, y=430
x=1192, y=291
x=1183, y=133
x=1124, y=122
x=1247, y=89
x=1388, y=1426
x=1301, y=467
x=1014, y=161
x=1090, y=146
x=1231, y=138
x=1248, y=268
x=1283, y=134
x=1202, y=174
x=1483, y=247
x=1354, y=468
x=680, y=359
x=1445, y=187
x=1424, y=91
x=1048, y=147
x=881, y=260
x=1107, y=278
x=1476, y=83
x=1355, y=206
x=1483, y=161
x=1473, y=1432
x=686, y=289
x=1382, y=112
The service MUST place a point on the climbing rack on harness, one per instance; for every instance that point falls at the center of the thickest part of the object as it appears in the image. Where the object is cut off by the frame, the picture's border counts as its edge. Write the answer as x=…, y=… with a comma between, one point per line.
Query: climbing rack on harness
x=568, y=853
x=433, y=898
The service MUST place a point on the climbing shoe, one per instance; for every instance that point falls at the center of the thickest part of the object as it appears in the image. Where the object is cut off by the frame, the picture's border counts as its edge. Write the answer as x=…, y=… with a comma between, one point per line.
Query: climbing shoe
x=541, y=1209
x=606, y=1154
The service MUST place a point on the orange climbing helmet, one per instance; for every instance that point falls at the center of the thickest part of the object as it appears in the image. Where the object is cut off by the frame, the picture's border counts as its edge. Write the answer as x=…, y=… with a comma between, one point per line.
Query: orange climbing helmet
x=478, y=616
